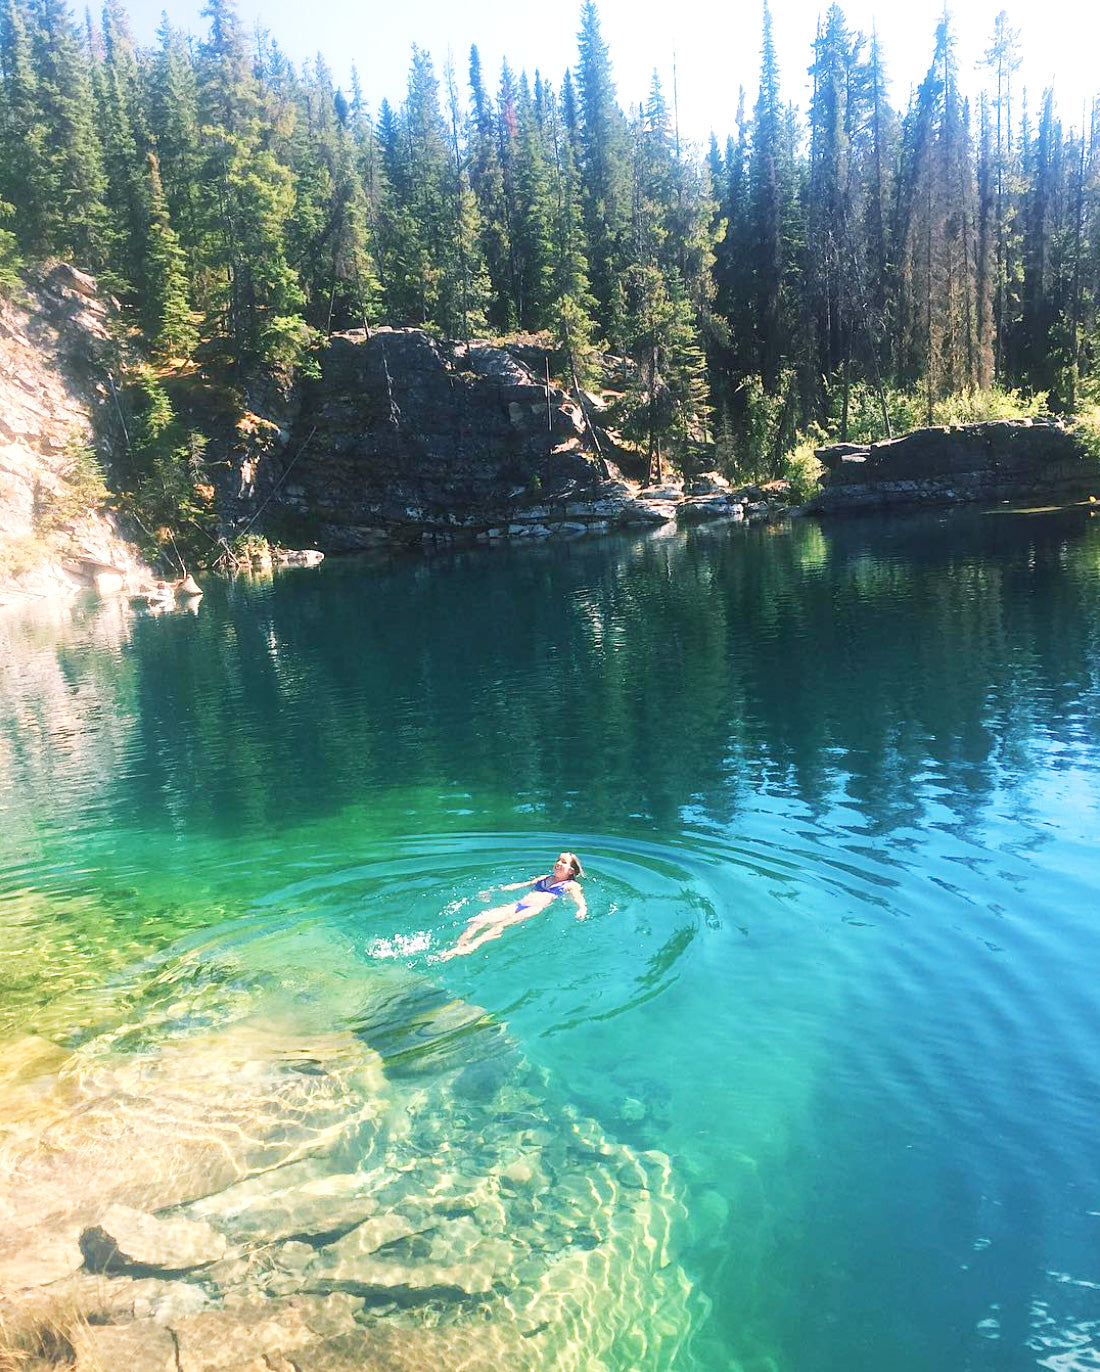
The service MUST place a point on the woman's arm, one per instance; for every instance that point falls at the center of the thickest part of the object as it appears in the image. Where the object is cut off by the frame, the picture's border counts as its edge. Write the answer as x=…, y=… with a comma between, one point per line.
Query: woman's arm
x=512, y=886
x=578, y=895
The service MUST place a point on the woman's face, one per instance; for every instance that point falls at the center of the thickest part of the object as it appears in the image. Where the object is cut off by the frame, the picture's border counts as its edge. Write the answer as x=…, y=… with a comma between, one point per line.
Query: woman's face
x=564, y=865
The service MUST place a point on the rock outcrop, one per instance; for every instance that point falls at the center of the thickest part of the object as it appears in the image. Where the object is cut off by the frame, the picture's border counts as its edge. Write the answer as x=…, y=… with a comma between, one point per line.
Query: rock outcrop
x=406, y=436
x=993, y=461
x=54, y=379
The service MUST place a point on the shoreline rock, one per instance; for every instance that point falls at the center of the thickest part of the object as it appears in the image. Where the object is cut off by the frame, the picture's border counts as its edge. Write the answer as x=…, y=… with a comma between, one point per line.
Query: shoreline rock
x=987, y=462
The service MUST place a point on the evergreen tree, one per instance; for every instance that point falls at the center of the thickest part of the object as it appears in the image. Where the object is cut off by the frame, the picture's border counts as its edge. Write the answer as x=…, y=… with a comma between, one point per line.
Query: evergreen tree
x=1002, y=59
x=937, y=313
x=165, y=306
x=534, y=226
x=605, y=171
x=73, y=210
x=767, y=212
x=125, y=149
x=26, y=172
x=252, y=292
x=173, y=115
x=487, y=184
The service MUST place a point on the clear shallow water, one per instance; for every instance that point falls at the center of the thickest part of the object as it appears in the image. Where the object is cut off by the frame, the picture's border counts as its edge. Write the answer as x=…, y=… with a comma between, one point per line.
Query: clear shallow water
x=837, y=791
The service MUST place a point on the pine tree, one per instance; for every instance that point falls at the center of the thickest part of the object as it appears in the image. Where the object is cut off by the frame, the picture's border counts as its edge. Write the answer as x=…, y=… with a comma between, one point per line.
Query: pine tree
x=487, y=184
x=74, y=215
x=767, y=212
x=166, y=309
x=466, y=285
x=251, y=292
x=605, y=171
x=432, y=271
x=125, y=149
x=937, y=312
x=534, y=226
x=986, y=284
x=1002, y=59
x=172, y=111
x=26, y=180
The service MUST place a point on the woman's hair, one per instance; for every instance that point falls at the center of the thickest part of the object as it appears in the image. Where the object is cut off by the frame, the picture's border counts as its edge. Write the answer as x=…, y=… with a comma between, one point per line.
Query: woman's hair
x=575, y=868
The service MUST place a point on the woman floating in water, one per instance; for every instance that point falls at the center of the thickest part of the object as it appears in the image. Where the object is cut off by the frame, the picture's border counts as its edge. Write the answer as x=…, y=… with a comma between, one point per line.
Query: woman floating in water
x=544, y=890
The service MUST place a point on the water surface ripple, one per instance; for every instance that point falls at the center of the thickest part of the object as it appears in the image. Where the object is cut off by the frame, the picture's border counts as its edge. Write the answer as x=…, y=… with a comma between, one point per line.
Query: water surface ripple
x=836, y=791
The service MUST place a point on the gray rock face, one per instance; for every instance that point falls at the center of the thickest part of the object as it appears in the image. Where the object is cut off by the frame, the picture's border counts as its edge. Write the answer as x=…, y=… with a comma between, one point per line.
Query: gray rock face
x=992, y=461
x=414, y=437
x=408, y=432
x=55, y=348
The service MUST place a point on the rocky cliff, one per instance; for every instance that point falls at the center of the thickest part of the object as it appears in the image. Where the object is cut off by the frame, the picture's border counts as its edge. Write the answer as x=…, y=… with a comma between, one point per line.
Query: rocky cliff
x=406, y=436
x=55, y=348
x=1015, y=459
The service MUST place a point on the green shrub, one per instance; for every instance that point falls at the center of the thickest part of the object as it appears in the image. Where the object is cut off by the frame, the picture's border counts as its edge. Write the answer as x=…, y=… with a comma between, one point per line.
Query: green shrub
x=290, y=346
x=82, y=491
x=908, y=409
x=10, y=261
x=250, y=547
x=753, y=449
x=1086, y=428
x=972, y=407
x=801, y=468
x=168, y=487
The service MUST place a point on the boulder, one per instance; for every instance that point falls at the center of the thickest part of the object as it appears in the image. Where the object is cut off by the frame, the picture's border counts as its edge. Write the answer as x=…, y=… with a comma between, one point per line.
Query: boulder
x=993, y=461
x=698, y=508
x=707, y=483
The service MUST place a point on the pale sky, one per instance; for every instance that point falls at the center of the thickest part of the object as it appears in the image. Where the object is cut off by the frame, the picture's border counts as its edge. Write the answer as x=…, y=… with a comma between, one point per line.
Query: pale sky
x=717, y=45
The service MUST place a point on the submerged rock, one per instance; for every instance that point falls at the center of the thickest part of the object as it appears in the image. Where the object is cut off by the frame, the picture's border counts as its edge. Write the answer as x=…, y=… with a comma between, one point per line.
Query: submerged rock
x=128, y=1238
x=265, y=1195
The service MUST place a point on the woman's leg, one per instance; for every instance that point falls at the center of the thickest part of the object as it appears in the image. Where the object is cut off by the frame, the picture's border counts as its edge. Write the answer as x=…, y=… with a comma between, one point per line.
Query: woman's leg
x=487, y=919
x=488, y=925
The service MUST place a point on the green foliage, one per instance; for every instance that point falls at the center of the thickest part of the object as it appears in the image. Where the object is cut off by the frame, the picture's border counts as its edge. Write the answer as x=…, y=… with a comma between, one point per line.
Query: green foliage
x=290, y=346
x=1086, y=430
x=752, y=449
x=801, y=468
x=246, y=550
x=576, y=350
x=10, y=259
x=168, y=489
x=169, y=321
x=82, y=490
x=908, y=409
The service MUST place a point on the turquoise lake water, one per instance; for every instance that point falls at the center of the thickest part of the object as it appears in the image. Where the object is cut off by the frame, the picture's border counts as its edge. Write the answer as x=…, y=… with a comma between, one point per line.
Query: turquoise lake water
x=837, y=792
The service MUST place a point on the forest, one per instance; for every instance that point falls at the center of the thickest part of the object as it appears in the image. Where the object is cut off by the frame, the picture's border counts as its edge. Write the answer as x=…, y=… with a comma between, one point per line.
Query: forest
x=848, y=270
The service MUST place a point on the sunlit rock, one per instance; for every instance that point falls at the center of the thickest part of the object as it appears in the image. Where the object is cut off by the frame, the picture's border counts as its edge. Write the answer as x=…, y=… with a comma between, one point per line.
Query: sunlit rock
x=128, y=1238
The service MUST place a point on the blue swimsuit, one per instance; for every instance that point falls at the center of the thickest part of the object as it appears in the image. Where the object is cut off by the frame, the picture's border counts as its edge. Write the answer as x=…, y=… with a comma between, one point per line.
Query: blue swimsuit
x=555, y=889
